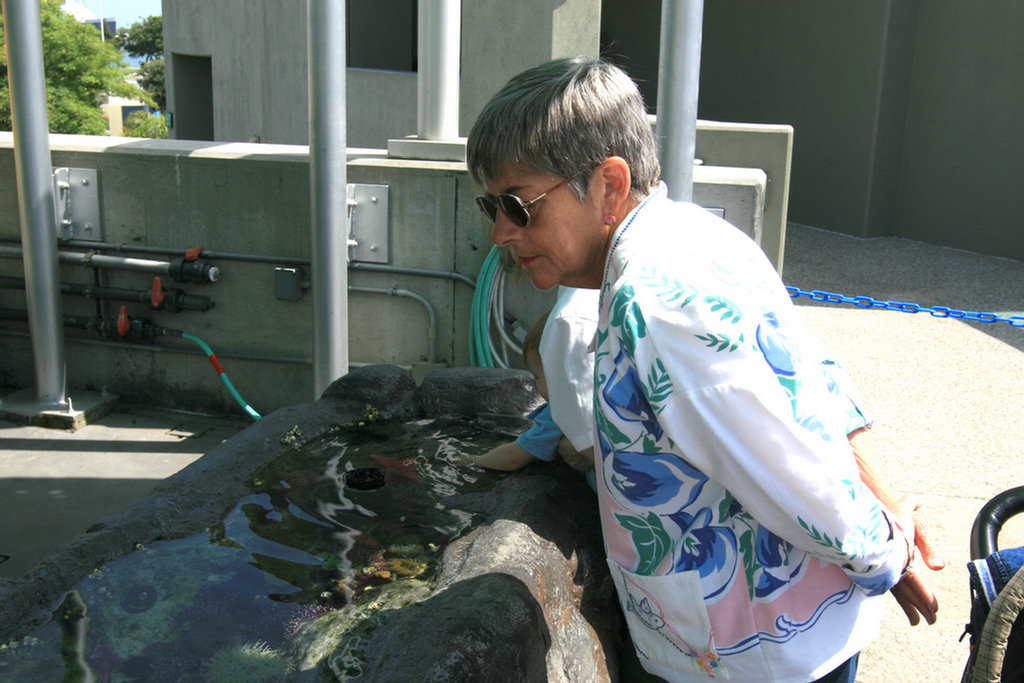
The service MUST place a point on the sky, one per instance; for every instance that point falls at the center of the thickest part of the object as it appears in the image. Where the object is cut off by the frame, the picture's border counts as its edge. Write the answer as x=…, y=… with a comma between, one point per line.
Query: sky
x=127, y=12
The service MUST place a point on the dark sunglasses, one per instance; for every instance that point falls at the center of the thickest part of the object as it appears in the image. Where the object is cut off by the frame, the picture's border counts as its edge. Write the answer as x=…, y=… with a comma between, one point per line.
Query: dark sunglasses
x=512, y=206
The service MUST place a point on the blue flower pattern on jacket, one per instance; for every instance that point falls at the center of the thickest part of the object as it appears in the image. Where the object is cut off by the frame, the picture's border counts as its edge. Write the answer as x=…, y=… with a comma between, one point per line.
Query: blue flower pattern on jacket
x=623, y=393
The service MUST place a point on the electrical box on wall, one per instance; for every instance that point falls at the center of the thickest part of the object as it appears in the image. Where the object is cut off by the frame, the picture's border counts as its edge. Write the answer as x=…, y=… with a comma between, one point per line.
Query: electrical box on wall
x=368, y=223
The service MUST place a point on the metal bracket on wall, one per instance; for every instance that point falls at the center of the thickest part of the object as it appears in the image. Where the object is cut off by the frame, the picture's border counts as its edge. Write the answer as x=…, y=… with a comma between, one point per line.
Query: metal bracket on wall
x=76, y=196
x=368, y=223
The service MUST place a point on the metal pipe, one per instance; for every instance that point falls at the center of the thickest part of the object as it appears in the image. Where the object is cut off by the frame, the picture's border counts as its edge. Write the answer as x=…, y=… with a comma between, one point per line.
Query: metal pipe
x=678, y=88
x=328, y=193
x=432, y=324
x=169, y=251
x=440, y=26
x=123, y=262
x=98, y=260
x=33, y=167
x=173, y=300
x=181, y=270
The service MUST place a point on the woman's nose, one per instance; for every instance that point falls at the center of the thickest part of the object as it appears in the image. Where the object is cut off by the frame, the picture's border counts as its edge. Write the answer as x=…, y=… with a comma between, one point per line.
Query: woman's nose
x=505, y=232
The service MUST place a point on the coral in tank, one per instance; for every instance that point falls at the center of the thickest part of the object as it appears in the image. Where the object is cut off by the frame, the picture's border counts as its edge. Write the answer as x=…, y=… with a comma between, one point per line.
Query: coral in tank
x=249, y=663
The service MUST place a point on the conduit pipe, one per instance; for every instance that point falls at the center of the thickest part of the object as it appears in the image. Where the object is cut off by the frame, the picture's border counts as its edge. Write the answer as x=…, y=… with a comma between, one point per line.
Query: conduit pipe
x=419, y=272
x=440, y=27
x=678, y=88
x=27, y=83
x=432, y=329
x=328, y=193
x=279, y=260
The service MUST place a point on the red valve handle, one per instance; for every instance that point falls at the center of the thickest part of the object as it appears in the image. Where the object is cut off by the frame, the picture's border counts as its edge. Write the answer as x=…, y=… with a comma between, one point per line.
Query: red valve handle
x=156, y=294
x=123, y=324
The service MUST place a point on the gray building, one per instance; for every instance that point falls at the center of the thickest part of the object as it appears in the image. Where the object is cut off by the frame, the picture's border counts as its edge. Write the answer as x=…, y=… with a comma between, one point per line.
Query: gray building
x=907, y=114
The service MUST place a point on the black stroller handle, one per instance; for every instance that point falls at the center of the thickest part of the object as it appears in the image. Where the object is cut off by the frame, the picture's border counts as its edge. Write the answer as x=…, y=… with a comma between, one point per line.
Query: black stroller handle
x=990, y=520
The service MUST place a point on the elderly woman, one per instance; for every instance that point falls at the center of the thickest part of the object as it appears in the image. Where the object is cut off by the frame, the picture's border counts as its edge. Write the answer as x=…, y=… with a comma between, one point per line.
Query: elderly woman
x=741, y=539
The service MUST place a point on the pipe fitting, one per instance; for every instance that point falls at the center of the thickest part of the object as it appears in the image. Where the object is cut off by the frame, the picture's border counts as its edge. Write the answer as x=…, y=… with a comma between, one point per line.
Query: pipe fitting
x=183, y=270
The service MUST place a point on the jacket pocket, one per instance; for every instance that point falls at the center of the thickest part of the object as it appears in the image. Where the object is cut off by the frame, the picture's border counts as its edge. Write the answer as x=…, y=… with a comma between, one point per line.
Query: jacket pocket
x=668, y=623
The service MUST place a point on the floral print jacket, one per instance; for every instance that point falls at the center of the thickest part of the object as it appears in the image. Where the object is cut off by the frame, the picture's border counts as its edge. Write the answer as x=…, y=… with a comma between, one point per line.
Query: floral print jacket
x=742, y=542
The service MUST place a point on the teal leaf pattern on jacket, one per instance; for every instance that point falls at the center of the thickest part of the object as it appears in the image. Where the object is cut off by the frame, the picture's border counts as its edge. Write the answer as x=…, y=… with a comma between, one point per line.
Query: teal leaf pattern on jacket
x=659, y=385
x=650, y=539
x=823, y=539
x=669, y=289
x=721, y=342
x=625, y=314
x=729, y=311
x=860, y=539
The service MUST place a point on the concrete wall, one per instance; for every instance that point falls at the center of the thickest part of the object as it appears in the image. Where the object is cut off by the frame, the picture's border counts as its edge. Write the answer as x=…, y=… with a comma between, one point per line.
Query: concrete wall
x=250, y=199
x=258, y=62
x=963, y=155
x=906, y=113
x=501, y=38
x=832, y=71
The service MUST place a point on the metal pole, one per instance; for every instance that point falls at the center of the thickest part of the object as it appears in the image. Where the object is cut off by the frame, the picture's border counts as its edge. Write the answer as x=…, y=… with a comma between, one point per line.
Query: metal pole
x=327, y=182
x=440, y=31
x=35, y=198
x=678, y=86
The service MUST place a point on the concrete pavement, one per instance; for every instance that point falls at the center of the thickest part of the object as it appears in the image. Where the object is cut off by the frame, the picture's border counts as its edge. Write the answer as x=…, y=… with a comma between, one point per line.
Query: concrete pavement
x=948, y=401
x=55, y=484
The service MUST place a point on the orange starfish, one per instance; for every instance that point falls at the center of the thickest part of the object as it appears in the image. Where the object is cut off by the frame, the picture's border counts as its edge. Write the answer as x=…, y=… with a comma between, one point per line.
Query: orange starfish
x=399, y=467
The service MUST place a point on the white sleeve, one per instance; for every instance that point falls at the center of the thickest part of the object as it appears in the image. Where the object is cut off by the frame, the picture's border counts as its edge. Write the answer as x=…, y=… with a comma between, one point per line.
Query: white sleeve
x=568, y=358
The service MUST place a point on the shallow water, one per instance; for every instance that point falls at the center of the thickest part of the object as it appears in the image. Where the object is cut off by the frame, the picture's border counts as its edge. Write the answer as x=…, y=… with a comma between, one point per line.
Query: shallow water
x=302, y=544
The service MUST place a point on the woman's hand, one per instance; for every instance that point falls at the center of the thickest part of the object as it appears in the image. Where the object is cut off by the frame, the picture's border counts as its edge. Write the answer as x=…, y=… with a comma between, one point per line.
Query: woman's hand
x=912, y=593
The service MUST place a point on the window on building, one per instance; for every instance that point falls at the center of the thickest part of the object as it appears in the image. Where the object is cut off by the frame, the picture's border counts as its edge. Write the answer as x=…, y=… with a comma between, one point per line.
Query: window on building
x=381, y=34
x=193, y=97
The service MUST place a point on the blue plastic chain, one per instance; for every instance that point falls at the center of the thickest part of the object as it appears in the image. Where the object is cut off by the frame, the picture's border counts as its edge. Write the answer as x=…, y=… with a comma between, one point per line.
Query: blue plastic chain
x=905, y=307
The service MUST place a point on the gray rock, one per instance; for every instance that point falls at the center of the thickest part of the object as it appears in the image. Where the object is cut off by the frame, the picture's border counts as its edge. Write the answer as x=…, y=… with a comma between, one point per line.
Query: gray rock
x=387, y=391
x=546, y=533
x=470, y=392
x=488, y=627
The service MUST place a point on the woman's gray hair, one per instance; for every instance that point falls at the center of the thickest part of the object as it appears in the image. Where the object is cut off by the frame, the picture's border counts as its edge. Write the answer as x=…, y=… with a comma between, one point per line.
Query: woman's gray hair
x=561, y=117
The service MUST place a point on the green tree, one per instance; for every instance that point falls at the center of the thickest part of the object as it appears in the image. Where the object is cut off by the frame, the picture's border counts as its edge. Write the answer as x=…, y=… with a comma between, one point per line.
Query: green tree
x=152, y=81
x=140, y=124
x=143, y=39
x=79, y=69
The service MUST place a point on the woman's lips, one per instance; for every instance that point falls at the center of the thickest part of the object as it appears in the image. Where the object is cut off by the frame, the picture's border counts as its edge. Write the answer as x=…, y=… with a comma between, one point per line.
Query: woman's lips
x=527, y=260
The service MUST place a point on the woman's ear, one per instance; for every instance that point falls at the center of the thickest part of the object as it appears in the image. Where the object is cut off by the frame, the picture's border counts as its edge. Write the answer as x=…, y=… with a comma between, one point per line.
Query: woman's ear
x=617, y=180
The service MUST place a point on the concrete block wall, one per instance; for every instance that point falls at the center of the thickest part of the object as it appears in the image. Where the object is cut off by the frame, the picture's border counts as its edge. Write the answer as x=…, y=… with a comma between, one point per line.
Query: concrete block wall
x=253, y=200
